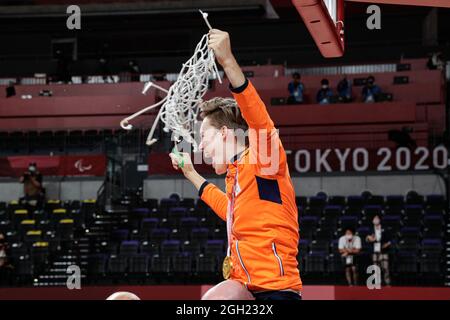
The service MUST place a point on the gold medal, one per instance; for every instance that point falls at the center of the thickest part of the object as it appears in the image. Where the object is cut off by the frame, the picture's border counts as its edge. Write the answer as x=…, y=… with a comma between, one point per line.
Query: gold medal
x=227, y=266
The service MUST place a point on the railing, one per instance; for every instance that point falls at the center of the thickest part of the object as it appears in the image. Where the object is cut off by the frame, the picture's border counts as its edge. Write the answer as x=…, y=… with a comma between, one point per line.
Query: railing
x=349, y=69
x=129, y=77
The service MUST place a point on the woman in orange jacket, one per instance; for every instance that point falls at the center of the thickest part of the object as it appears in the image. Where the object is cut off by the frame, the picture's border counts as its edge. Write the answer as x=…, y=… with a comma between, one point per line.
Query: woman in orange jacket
x=259, y=202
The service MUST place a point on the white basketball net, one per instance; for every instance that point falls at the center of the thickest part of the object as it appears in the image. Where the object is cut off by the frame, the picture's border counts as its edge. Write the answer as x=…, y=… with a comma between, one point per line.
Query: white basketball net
x=179, y=109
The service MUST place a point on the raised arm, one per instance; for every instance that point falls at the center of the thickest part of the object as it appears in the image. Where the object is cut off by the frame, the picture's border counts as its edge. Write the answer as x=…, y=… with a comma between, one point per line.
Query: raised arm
x=253, y=109
x=263, y=137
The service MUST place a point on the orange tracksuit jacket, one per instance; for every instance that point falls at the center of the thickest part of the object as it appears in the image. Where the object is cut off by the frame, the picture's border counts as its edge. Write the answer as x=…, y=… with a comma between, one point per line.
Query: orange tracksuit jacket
x=265, y=226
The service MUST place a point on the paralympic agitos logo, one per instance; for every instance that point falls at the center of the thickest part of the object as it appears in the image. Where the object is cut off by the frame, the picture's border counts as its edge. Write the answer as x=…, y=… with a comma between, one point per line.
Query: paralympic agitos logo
x=81, y=168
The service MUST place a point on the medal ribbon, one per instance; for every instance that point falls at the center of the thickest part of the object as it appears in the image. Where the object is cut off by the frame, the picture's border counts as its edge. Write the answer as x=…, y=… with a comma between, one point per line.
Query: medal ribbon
x=230, y=212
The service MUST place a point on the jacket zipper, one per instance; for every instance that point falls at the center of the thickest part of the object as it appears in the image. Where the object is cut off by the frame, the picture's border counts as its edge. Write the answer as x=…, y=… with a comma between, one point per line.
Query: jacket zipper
x=242, y=262
x=280, y=263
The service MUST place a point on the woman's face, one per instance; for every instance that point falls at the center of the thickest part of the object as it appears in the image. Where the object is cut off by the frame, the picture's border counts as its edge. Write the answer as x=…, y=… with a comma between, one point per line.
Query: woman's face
x=212, y=145
x=376, y=220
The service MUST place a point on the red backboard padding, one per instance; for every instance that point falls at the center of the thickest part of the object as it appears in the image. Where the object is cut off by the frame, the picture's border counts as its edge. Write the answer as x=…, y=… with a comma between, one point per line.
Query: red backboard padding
x=321, y=27
x=425, y=3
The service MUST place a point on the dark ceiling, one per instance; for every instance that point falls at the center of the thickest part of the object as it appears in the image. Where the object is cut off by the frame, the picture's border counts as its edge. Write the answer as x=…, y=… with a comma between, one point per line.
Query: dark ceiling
x=172, y=34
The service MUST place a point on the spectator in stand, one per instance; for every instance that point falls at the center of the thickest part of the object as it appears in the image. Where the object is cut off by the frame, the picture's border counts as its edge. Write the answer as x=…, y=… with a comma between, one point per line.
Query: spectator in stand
x=3, y=244
x=10, y=90
x=436, y=61
x=344, y=90
x=295, y=89
x=105, y=71
x=325, y=94
x=4, y=264
x=104, y=63
x=349, y=247
x=371, y=91
x=34, y=192
x=63, y=66
x=381, y=241
x=134, y=70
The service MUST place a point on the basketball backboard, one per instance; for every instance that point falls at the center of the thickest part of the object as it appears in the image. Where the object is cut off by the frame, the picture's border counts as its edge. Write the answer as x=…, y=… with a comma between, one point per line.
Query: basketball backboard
x=424, y=3
x=325, y=20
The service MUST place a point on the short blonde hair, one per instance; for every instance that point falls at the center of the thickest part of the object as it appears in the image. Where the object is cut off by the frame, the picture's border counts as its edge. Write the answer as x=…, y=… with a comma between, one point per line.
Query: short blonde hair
x=223, y=112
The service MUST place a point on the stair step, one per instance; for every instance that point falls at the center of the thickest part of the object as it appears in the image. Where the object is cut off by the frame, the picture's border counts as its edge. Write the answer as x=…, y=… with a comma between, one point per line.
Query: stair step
x=57, y=270
x=56, y=276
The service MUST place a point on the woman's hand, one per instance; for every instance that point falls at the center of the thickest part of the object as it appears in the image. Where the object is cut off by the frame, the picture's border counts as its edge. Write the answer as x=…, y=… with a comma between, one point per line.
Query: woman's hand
x=219, y=42
x=182, y=161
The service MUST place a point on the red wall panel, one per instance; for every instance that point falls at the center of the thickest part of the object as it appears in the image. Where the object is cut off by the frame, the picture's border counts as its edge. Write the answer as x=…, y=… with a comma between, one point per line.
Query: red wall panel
x=192, y=292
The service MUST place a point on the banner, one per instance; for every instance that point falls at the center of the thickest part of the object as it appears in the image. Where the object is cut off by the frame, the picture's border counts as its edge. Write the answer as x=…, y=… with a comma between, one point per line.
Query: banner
x=339, y=160
x=78, y=165
x=364, y=159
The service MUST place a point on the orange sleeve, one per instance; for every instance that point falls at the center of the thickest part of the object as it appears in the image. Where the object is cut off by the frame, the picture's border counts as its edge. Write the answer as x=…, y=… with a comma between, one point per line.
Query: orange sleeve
x=252, y=107
x=215, y=198
x=264, y=141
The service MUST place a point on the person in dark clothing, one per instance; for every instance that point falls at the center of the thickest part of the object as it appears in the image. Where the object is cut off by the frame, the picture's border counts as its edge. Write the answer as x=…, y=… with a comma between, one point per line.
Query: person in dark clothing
x=3, y=247
x=381, y=241
x=344, y=90
x=371, y=91
x=34, y=192
x=325, y=94
x=63, y=67
x=5, y=265
x=10, y=90
x=295, y=89
x=104, y=63
x=134, y=70
x=403, y=138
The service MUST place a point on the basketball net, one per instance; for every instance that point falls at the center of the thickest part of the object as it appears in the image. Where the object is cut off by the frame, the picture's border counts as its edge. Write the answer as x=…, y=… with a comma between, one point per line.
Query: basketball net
x=179, y=109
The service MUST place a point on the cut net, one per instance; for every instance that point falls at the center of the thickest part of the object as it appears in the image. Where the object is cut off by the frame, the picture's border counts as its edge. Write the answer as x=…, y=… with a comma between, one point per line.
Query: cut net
x=185, y=95
x=179, y=109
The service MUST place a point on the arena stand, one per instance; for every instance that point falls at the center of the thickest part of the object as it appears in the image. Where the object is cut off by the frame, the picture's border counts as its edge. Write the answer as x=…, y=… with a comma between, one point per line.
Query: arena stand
x=140, y=239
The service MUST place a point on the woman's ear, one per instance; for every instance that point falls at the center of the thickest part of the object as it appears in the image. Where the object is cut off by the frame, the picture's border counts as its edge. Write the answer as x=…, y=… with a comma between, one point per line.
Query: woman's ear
x=224, y=132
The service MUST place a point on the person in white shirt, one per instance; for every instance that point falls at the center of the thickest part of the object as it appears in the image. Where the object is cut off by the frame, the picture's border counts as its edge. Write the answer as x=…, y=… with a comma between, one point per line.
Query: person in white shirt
x=349, y=248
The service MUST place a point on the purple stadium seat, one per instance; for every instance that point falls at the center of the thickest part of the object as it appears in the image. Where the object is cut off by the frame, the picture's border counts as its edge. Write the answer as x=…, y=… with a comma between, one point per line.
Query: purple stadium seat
x=200, y=235
x=435, y=201
x=140, y=213
x=182, y=263
x=317, y=202
x=138, y=264
x=395, y=202
x=159, y=235
x=170, y=247
x=216, y=247
x=432, y=246
x=120, y=235
x=129, y=247
x=355, y=201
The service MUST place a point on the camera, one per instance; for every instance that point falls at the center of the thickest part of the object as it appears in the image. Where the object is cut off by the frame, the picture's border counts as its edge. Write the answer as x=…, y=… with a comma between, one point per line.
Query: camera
x=31, y=172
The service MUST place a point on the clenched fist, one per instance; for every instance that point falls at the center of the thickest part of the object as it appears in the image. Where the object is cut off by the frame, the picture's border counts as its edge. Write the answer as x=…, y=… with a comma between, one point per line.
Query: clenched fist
x=219, y=42
x=182, y=160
